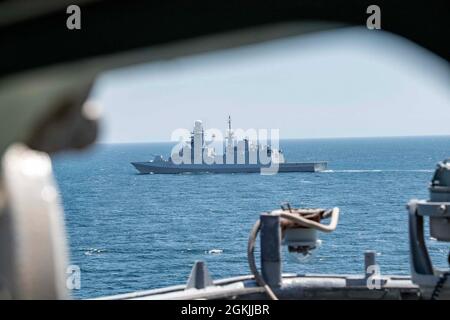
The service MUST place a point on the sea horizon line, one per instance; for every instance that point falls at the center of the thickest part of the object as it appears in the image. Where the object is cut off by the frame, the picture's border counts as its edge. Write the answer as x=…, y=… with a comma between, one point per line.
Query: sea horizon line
x=297, y=139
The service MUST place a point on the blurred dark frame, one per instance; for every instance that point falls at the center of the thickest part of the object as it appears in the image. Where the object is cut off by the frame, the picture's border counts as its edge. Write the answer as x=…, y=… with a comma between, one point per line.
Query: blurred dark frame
x=33, y=33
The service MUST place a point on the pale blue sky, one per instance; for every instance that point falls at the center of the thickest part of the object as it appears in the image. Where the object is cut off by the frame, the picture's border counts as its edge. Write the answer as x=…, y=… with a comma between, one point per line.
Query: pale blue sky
x=346, y=84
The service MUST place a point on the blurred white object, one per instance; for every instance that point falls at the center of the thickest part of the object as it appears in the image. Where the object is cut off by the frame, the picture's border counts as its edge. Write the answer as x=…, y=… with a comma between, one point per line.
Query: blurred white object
x=33, y=244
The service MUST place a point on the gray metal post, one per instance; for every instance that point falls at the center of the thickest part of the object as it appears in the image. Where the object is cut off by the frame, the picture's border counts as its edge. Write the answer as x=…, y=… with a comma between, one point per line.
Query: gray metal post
x=369, y=260
x=199, y=277
x=271, y=249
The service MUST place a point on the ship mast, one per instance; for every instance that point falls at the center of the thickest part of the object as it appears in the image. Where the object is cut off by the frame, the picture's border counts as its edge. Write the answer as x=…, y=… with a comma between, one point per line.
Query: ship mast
x=230, y=132
x=229, y=153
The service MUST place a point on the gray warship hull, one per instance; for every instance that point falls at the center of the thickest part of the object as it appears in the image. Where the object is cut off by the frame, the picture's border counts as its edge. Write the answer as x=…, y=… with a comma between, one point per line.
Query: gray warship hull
x=171, y=168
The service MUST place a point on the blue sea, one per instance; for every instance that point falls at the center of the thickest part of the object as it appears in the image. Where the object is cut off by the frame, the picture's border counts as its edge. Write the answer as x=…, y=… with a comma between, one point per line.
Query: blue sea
x=131, y=232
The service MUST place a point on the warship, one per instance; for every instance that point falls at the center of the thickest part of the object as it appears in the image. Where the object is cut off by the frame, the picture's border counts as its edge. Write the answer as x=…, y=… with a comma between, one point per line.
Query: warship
x=240, y=156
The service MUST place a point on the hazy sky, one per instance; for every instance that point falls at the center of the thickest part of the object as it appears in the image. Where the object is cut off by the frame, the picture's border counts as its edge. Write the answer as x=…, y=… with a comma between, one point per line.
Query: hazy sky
x=345, y=84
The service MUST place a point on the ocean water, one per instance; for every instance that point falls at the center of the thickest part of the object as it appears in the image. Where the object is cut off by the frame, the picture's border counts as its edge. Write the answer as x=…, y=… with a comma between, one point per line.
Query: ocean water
x=132, y=232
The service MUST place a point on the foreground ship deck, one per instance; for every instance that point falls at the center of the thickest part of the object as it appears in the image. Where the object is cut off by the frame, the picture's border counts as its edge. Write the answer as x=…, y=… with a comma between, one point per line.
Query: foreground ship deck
x=294, y=286
x=170, y=168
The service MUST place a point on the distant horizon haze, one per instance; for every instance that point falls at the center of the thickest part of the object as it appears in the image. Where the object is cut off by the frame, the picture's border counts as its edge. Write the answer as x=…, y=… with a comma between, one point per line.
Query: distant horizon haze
x=293, y=139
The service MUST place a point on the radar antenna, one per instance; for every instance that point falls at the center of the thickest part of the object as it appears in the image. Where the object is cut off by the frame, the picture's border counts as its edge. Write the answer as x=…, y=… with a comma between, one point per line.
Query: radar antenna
x=230, y=132
x=229, y=136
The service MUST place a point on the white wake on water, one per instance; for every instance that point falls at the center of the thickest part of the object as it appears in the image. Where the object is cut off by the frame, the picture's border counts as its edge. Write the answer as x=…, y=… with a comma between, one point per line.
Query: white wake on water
x=375, y=170
x=214, y=251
